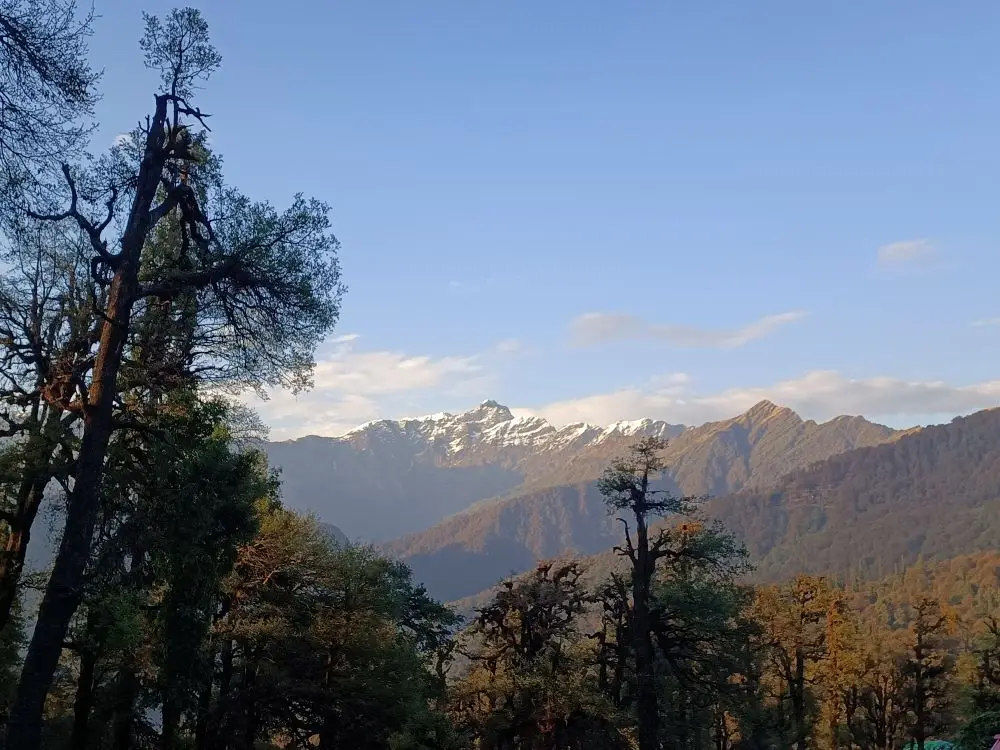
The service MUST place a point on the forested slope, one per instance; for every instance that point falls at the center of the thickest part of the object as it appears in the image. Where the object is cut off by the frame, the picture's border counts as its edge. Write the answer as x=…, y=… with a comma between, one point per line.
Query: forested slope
x=933, y=494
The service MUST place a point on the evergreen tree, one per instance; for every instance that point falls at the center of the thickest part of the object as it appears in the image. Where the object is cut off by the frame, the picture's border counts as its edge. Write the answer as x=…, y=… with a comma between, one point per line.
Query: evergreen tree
x=794, y=618
x=927, y=671
x=530, y=683
x=630, y=486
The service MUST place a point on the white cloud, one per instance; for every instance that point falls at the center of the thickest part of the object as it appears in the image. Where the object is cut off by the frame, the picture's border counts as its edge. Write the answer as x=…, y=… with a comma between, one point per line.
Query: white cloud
x=597, y=328
x=353, y=386
x=906, y=251
x=987, y=322
x=816, y=395
x=376, y=373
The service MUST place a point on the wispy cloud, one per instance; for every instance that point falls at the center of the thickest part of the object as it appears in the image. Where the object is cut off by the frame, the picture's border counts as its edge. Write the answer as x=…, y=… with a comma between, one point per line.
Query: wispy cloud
x=906, y=251
x=598, y=328
x=351, y=386
x=815, y=395
x=986, y=322
x=509, y=346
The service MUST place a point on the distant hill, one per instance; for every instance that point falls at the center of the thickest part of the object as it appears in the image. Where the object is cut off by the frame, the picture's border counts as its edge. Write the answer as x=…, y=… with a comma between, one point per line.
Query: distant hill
x=929, y=499
x=472, y=549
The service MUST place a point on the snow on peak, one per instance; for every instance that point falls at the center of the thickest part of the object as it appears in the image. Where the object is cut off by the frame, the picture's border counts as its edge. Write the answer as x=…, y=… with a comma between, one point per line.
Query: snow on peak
x=520, y=431
x=630, y=427
x=489, y=413
x=641, y=427
x=493, y=424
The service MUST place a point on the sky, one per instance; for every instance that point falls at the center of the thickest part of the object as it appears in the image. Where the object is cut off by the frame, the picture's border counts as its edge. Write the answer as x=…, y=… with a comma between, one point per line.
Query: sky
x=595, y=211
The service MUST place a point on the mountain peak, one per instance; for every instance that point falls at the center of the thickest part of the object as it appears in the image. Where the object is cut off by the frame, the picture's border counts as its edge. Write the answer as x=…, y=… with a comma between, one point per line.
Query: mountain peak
x=765, y=409
x=488, y=411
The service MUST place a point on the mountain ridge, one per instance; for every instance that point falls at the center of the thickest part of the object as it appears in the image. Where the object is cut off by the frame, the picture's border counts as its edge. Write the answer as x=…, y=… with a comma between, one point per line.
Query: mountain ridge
x=389, y=478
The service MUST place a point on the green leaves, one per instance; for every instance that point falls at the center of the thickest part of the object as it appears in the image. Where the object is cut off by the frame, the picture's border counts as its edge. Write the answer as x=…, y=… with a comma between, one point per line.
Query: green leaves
x=179, y=47
x=268, y=290
x=337, y=636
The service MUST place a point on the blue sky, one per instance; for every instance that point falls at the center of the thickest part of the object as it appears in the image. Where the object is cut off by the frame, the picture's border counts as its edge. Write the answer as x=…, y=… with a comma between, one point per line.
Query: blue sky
x=710, y=182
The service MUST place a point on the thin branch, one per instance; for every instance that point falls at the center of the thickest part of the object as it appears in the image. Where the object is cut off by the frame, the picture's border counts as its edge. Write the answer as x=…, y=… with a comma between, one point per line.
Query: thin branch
x=181, y=107
x=94, y=233
x=628, y=549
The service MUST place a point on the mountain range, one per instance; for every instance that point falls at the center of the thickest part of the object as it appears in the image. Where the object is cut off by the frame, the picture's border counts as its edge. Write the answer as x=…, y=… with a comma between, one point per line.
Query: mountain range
x=389, y=478
x=466, y=499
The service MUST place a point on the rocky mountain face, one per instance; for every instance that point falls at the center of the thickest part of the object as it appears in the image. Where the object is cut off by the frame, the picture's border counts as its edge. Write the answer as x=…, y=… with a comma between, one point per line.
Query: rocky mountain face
x=472, y=497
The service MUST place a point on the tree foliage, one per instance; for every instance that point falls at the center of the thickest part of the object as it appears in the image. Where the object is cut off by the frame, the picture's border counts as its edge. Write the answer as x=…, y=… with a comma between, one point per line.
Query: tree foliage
x=46, y=84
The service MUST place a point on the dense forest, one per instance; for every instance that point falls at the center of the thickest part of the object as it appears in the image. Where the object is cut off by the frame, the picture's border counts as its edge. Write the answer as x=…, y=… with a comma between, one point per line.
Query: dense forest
x=186, y=607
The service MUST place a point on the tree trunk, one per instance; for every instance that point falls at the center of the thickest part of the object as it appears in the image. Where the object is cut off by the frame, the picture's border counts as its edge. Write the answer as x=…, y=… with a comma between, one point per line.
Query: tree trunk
x=248, y=707
x=798, y=696
x=38, y=472
x=228, y=710
x=201, y=726
x=919, y=697
x=127, y=692
x=84, y=702
x=328, y=733
x=680, y=734
x=65, y=587
x=171, y=723
x=16, y=546
x=647, y=706
x=62, y=595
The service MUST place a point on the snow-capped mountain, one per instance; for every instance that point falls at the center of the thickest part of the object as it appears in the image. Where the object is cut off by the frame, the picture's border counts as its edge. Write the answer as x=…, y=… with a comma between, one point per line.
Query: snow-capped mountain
x=492, y=425
x=389, y=478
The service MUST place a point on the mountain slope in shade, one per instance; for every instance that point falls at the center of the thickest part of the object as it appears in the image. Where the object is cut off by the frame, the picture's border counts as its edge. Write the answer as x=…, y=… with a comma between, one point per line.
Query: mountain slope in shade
x=470, y=550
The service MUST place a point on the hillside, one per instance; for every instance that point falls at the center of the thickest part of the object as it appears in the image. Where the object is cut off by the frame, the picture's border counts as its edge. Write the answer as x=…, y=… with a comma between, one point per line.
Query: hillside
x=933, y=494
x=968, y=584
x=468, y=551
x=928, y=497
